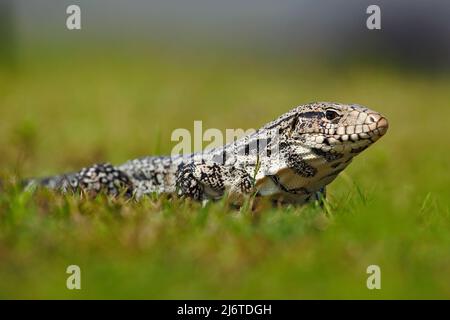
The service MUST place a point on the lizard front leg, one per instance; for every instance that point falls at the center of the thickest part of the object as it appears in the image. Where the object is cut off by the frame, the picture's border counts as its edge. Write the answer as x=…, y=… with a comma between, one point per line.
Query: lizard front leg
x=210, y=180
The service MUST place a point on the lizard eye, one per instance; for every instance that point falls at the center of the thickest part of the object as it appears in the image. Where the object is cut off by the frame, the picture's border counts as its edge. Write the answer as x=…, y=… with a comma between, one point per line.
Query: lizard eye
x=331, y=114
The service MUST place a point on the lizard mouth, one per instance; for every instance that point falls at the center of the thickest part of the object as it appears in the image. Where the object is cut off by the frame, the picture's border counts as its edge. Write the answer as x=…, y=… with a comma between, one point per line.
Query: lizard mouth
x=352, y=138
x=373, y=129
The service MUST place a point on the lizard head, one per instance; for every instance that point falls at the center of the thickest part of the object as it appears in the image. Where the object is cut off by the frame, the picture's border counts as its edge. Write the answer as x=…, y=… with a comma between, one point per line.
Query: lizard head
x=337, y=128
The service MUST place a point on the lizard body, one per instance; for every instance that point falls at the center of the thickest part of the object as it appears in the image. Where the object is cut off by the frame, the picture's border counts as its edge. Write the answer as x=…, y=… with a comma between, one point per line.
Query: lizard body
x=290, y=159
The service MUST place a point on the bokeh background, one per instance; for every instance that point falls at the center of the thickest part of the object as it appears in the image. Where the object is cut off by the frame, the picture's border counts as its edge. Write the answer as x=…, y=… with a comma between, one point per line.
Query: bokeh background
x=137, y=70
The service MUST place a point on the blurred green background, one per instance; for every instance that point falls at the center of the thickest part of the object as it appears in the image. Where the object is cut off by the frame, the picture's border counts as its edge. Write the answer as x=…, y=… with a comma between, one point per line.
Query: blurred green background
x=116, y=89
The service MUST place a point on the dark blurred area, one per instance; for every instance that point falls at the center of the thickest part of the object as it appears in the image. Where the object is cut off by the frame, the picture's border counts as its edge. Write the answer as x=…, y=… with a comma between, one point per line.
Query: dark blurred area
x=414, y=33
x=7, y=34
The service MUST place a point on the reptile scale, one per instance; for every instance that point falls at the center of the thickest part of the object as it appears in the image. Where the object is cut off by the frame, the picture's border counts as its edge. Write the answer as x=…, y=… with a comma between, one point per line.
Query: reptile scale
x=290, y=160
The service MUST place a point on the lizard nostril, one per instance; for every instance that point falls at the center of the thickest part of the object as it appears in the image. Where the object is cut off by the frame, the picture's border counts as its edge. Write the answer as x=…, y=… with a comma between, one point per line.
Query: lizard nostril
x=371, y=119
x=382, y=125
x=383, y=122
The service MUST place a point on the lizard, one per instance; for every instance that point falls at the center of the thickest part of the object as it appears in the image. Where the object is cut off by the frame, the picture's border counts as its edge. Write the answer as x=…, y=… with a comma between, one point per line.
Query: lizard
x=291, y=160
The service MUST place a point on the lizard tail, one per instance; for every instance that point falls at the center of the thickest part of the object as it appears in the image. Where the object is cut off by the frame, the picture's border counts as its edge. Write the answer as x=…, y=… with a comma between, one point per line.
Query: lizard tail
x=94, y=179
x=60, y=182
x=136, y=177
x=63, y=182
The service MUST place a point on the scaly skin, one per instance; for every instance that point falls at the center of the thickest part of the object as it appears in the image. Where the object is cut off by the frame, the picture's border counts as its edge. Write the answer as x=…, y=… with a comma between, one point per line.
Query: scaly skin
x=290, y=160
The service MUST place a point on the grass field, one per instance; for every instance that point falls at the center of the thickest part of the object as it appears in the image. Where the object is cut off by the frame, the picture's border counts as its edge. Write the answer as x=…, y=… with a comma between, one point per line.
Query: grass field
x=60, y=111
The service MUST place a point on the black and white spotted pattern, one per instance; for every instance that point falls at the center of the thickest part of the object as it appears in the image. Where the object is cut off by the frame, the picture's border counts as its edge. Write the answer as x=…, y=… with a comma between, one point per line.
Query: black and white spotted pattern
x=292, y=158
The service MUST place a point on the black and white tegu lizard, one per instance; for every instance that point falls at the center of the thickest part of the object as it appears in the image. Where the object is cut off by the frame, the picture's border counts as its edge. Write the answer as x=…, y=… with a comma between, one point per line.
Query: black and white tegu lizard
x=290, y=160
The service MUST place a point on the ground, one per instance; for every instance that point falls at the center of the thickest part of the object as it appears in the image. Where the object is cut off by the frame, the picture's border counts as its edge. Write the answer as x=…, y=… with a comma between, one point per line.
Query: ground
x=61, y=110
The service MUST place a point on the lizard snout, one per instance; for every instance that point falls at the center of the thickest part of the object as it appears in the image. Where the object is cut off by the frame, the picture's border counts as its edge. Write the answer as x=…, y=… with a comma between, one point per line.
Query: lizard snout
x=377, y=123
x=382, y=125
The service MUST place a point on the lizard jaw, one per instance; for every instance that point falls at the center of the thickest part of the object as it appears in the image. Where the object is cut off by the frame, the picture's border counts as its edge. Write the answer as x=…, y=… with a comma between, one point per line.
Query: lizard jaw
x=374, y=128
x=351, y=138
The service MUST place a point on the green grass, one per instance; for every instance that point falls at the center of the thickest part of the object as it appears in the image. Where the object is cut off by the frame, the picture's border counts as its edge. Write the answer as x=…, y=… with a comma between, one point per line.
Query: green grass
x=61, y=110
